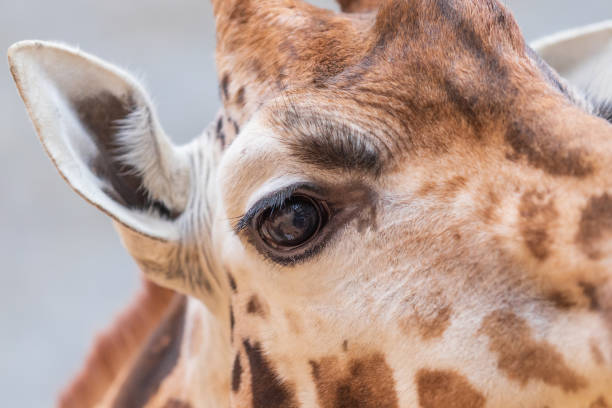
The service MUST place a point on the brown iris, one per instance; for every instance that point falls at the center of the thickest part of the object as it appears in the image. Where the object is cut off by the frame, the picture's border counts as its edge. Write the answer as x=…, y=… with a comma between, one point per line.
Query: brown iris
x=291, y=225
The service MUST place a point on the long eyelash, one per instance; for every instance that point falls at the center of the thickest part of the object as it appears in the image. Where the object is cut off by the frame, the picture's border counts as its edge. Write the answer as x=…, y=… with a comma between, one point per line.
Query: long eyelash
x=273, y=202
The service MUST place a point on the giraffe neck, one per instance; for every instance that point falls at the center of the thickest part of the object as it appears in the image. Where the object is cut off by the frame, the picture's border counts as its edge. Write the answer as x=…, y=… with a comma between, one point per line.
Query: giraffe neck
x=185, y=363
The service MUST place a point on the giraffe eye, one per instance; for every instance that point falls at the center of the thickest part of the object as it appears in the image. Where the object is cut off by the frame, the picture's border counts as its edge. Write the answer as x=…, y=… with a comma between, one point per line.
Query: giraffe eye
x=294, y=223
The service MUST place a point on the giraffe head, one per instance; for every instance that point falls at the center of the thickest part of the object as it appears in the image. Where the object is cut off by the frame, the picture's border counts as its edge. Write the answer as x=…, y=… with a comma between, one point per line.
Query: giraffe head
x=400, y=204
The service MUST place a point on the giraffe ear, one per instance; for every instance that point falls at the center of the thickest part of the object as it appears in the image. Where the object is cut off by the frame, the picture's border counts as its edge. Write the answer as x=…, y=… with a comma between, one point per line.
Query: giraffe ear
x=100, y=130
x=583, y=56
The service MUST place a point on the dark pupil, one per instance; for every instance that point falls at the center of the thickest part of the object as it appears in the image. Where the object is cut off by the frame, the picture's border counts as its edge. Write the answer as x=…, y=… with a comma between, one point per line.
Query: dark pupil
x=291, y=225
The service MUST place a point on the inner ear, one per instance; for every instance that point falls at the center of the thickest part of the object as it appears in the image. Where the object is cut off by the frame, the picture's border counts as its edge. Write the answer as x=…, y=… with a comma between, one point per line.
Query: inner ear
x=106, y=117
x=101, y=115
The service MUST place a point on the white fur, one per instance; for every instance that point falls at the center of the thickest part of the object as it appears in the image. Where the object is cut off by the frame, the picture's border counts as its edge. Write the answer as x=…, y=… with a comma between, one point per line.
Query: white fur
x=163, y=167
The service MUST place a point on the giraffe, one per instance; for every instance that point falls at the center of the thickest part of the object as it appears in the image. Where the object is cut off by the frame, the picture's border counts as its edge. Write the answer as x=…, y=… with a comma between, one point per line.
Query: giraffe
x=399, y=205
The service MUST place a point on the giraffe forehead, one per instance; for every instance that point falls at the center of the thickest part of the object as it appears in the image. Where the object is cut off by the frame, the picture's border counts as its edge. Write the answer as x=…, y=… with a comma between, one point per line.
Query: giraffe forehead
x=408, y=46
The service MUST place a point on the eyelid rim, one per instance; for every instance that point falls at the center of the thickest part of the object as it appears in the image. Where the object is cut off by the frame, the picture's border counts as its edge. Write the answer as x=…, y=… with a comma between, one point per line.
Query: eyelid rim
x=274, y=199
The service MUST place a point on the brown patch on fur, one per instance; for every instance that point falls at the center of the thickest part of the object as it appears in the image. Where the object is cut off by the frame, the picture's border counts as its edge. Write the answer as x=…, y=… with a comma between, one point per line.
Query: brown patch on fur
x=235, y=126
x=367, y=382
x=590, y=292
x=176, y=403
x=446, y=389
x=255, y=306
x=561, y=300
x=426, y=188
x=225, y=85
x=240, y=97
x=232, y=321
x=544, y=152
x=452, y=186
x=537, y=211
x=232, y=282
x=600, y=403
x=358, y=6
x=236, y=374
x=595, y=224
x=267, y=389
x=598, y=356
x=156, y=360
x=429, y=326
x=115, y=347
x=220, y=135
x=445, y=190
x=435, y=327
x=522, y=358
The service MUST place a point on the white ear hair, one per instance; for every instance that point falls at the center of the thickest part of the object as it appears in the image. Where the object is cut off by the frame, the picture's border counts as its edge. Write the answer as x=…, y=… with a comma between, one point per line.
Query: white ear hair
x=583, y=56
x=99, y=128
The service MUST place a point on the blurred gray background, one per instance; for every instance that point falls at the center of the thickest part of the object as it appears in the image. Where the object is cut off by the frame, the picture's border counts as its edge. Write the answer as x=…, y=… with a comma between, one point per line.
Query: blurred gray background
x=64, y=274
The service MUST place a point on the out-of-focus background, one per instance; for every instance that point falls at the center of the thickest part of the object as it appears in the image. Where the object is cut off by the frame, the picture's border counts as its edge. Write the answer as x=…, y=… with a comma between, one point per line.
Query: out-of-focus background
x=63, y=272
